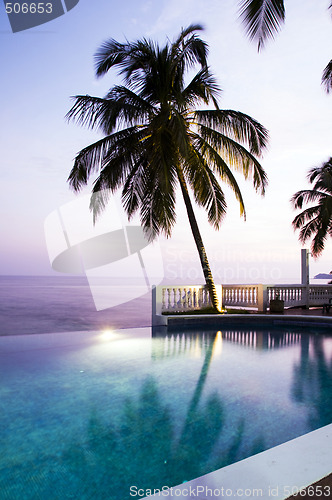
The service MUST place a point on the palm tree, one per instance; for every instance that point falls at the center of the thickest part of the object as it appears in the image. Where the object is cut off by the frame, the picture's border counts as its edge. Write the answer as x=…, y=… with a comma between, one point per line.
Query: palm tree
x=316, y=220
x=156, y=138
x=263, y=19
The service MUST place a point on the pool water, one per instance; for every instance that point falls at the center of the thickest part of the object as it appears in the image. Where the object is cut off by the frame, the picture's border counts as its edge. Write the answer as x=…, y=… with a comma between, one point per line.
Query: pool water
x=115, y=414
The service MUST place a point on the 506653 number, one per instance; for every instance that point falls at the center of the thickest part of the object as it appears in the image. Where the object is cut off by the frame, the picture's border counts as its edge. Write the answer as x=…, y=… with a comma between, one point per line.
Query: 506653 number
x=26, y=8
x=314, y=491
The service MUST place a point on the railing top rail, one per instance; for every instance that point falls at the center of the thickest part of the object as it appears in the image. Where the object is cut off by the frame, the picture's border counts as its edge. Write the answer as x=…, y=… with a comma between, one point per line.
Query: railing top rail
x=237, y=285
x=182, y=286
x=282, y=285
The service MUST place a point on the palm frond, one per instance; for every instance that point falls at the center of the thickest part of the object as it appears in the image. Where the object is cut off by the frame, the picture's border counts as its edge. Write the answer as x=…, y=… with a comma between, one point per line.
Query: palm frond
x=86, y=162
x=110, y=53
x=313, y=227
x=127, y=108
x=308, y=229
x=316, y=220
x=120, y=107
x=157, y=213
x=188, y=49
x=119, y=146
x=236, y=156
x=239, y=126
x=321, y=178
x=318, y=243
x=140, y=59
x=89, y=111
x=327, y=77
x=262, y=19
x=206, y=189
x=306, y=215
x=132, y=192
x=99, y=198
x=202, y=88
x=305, y=196
x=220, y=167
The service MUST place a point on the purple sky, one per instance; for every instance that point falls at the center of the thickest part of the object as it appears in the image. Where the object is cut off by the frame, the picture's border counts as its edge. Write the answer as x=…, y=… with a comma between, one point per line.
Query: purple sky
x=280, y=87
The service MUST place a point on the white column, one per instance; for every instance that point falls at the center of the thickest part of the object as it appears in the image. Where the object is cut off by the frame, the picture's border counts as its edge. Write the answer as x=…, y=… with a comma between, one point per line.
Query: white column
x=305, y=266
x=305, y=276
x=262, y=298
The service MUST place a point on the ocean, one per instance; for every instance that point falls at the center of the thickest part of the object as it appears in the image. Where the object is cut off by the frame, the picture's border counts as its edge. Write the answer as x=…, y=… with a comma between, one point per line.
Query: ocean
x=51, y=304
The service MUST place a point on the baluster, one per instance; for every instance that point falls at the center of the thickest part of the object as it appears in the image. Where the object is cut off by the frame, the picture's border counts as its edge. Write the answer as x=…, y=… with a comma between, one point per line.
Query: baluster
x=205, y=297
x=169, y=306
x=184, y=298
x=163, y=299
x=179, y=298
x=189, y=298
x=200, y=297
x=195, y=298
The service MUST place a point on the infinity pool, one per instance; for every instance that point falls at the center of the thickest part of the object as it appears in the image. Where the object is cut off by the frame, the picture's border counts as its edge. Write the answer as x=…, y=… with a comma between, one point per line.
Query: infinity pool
x=115, y=414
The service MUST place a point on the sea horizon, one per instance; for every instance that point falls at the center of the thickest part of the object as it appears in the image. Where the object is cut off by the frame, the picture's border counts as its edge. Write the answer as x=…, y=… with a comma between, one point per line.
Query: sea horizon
x=32, y=304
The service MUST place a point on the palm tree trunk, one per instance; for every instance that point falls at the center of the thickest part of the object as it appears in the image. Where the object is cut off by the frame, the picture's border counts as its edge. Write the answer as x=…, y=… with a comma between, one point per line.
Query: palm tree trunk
x=199, y=242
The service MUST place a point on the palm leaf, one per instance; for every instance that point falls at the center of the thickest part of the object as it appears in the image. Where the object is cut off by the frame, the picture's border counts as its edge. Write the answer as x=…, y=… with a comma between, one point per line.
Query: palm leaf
x=239, y=126
x=315, y=221
x=132, y=192
x=262, y=19
x=157, y=213
x=306, y=196
x=236, y=156
x=189, y=49
x=206, y=189
x=87, y=161
x=321, y=177
x=307, y=215
x=110, y=53
x=221, y=168
x=89, y=111
x=327, y=77
x=202, y=88
x=119, y=146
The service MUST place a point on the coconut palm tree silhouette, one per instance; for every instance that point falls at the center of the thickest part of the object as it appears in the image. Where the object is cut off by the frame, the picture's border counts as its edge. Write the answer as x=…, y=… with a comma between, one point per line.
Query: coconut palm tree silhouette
x=157, y=138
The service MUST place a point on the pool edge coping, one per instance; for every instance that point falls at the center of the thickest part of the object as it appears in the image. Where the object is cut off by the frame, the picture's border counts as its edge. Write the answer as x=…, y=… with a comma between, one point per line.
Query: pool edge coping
x=274, y=319
x=273, y=473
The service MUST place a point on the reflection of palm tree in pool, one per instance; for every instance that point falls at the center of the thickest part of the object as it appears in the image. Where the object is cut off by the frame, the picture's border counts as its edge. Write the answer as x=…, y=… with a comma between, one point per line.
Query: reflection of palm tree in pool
x=198, y=436
x=142, y=452
x=201, y=428
x=313, y=381
x=144, y=449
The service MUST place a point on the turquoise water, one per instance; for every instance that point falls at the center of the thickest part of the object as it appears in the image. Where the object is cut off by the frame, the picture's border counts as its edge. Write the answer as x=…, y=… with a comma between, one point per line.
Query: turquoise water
x=89, y=415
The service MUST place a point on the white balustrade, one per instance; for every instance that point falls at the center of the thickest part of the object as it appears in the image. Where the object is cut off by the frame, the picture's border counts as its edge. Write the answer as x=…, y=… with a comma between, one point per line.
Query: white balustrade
x=181, y=298
x=176, y=298
x=292, y=295
x=240, y=295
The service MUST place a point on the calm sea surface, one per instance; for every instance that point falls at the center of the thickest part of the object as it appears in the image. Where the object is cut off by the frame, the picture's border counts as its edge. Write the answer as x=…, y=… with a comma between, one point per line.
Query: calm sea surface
x=47, y=304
